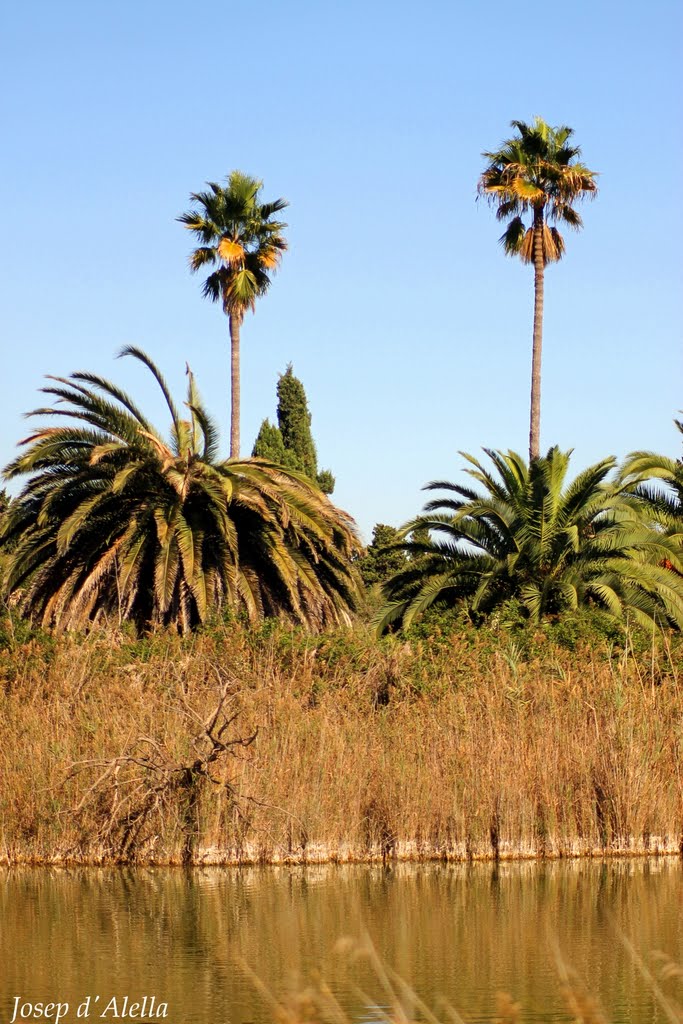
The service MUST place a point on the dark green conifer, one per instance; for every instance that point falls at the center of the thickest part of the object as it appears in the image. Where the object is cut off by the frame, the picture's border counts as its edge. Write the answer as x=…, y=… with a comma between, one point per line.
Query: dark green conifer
x=269, y=444
x=291, y=443
x=381, y=559
x=294, y=421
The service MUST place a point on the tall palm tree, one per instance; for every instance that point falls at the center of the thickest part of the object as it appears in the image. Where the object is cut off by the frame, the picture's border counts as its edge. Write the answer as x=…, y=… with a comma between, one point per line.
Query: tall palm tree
x=529, y=535
x=538, y=171
x=242, y=241
x=115, y=521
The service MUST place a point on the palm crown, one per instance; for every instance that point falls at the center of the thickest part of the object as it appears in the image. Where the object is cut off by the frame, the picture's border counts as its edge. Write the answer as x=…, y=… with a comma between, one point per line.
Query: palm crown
x=244, y=244
x=539, y=172
x=528, y=535
x=239, y=238
x=116, y=521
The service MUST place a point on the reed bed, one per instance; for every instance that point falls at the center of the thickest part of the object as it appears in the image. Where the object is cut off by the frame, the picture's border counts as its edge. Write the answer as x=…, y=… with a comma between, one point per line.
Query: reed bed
x=462, y=745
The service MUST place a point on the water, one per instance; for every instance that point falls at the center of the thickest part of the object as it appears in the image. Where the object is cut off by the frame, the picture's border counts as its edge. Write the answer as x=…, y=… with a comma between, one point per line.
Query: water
x=459, y=932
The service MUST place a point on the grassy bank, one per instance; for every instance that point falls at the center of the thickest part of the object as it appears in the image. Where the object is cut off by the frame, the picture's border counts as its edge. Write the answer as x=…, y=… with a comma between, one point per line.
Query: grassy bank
x=463, y=744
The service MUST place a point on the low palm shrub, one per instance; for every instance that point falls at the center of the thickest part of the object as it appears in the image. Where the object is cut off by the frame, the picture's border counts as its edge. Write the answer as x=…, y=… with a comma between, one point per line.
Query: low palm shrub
x=532, y=536
x=116, y=522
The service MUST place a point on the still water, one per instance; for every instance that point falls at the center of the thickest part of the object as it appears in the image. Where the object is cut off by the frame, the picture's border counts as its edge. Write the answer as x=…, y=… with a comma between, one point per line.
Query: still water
x=460, y=933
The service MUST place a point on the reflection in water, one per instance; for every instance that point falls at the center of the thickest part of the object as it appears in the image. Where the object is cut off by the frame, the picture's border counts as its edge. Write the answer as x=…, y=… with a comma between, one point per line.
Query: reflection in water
x=461, y=932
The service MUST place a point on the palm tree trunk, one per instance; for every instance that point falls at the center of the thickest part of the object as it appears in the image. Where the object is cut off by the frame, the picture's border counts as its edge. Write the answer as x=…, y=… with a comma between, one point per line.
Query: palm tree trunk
x=235, y=322
x=539, y=268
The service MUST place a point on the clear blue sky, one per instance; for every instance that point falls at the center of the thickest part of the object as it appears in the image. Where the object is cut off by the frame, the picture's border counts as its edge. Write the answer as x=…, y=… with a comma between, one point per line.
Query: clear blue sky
x=409, y=328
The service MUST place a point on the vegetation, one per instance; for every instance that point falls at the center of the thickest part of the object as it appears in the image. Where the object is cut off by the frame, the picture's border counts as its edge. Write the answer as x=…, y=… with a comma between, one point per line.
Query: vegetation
x=658, y=480
x=117, y=523
x=220, y=713
x=498, y=741
x=291, y=443
x=384, y=557
x=240, y=238
x=532, y=536
x=537, y=171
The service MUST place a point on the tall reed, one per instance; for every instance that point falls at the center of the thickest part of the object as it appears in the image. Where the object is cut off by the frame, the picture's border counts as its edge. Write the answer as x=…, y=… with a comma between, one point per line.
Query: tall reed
x=465, y=745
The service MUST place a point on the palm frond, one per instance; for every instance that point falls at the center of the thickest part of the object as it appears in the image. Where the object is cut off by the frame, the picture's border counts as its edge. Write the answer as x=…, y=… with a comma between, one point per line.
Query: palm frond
x=536, y=170
x=137, y=353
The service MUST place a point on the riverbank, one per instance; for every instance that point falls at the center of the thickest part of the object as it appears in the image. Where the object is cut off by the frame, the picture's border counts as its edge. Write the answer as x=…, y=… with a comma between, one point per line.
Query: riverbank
x=276, y=747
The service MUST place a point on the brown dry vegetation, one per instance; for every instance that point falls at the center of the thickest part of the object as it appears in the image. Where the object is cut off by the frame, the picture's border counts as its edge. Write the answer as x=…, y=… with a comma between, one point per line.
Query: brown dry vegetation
x=468, y=745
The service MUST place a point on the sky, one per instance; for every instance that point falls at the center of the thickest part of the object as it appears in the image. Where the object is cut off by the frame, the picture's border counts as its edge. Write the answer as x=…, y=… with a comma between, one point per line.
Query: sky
x=409, y=328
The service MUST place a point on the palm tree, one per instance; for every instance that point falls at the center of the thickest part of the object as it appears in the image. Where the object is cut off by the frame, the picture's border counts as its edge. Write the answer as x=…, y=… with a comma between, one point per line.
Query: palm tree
x=115, y=521
x=242, y=241
x=531, y=536
x=539, y=172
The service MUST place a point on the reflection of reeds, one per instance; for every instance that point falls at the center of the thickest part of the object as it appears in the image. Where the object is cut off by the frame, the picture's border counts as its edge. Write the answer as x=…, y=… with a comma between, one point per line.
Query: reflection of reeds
x=316, y=1003
x=469, y=754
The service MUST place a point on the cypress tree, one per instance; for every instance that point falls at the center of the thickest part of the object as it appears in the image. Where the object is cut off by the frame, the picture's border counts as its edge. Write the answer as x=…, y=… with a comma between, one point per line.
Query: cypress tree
x=294, y=421
x=291, y=443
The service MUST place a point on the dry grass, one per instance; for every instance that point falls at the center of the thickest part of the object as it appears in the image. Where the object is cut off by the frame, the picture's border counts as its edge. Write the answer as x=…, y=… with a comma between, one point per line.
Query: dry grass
x=468, y=748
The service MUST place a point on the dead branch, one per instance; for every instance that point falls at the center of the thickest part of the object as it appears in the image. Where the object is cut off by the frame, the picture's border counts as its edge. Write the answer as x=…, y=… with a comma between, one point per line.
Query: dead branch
x=131, y=791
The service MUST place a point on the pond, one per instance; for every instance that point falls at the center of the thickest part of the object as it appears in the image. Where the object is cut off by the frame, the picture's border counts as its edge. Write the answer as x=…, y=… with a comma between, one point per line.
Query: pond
x=190, y=939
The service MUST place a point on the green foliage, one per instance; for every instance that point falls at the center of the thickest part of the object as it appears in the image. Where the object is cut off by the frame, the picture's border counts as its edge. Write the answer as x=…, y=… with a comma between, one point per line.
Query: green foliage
x=531, y=537
x=325, y=481
x=16, y=631
x=294, y=421
x=508, y=632
x=117, y=523
x=538, y=171
x=269, y=444
x=658, y=481
x=291, y=444
x=590, y=628
x=238, y=237
x=383, y=557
